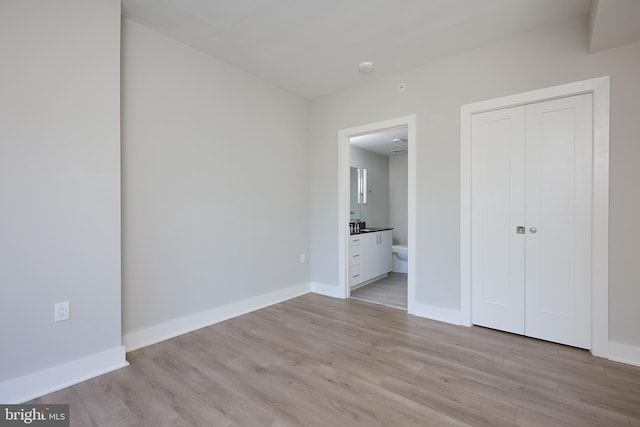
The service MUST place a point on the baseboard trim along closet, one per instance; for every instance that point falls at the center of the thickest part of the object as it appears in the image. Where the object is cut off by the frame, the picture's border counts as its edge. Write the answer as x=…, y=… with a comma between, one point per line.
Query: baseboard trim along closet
x=38, y=384
x=440, y=314
x=624, y=353
x=164, y=331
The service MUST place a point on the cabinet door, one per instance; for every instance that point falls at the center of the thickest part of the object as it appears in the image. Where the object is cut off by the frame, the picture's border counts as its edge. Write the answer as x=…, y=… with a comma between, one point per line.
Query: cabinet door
x=384, y=252
x=497, y=270
x=368, y=256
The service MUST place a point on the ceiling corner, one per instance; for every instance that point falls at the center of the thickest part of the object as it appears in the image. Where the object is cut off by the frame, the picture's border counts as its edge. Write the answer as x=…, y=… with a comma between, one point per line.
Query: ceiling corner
x=613, y=23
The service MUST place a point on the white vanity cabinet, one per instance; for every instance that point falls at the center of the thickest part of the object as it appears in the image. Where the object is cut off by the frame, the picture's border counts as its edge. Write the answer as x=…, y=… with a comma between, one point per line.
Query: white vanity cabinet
x=369, y=256
x=355, y=259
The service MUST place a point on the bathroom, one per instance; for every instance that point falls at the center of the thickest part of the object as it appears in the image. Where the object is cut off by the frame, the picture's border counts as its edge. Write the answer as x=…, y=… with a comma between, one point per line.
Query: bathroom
x=378, y=204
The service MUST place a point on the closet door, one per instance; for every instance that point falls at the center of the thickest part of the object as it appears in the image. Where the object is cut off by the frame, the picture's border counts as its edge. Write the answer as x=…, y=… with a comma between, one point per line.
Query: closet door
x=531, y=220
x=497, y=270
x=558, y=220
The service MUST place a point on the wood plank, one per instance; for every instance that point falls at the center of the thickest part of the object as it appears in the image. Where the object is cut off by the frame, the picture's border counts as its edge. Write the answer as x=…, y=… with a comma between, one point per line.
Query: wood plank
x=319, y=361
x=390, y=291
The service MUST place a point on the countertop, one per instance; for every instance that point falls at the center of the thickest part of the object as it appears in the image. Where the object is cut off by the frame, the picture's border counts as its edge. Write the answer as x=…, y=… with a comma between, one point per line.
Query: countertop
x=371, y=230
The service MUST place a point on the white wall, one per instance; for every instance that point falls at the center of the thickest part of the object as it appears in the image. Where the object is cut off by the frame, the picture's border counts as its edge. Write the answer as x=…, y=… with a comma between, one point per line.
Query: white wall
x=59, y=191
x=398, y=198
x=215, y=188
x=544, y=58
x=376, y=212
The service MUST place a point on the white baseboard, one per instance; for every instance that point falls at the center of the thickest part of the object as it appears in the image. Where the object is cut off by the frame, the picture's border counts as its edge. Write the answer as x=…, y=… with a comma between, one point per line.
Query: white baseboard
x=23, y=389
x=163, y=331
x=624, y=353
x=327, y=290
x=440, y=314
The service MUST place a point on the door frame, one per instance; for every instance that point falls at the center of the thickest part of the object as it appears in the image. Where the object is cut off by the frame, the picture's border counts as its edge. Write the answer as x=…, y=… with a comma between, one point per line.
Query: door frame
x=599, y=87
x=344, y=136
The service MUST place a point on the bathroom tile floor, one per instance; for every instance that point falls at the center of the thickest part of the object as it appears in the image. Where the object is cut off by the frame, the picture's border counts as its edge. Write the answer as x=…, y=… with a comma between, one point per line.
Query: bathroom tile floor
x=390, y=291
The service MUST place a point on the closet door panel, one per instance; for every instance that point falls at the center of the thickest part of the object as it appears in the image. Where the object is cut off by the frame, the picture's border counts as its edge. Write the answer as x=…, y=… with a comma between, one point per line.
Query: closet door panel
x=498, y=209
x=558, y=220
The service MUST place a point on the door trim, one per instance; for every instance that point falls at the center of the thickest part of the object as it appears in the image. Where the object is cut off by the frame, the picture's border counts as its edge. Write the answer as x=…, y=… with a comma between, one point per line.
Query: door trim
x=343, y=199
x=599, y=87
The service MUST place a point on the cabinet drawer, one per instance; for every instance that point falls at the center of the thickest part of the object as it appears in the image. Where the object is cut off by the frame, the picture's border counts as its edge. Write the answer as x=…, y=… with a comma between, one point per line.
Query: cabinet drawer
x=354, y=240
x=354, y=255
x=354, y=275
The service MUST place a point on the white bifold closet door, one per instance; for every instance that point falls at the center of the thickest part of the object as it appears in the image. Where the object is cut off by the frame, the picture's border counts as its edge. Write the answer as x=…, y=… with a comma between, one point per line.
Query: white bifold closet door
x=531, y=219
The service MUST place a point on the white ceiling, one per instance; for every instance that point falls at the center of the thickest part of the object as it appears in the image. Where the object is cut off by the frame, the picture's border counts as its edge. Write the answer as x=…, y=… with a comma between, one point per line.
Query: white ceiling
x=383, y=142
x=313, y=47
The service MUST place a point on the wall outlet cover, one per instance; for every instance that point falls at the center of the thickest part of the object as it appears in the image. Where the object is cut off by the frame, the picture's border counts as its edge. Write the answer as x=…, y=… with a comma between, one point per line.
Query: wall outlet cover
x=61, y=311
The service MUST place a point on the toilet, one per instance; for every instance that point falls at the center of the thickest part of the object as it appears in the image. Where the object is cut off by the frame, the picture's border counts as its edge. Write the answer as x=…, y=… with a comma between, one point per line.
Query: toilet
x=400, y=254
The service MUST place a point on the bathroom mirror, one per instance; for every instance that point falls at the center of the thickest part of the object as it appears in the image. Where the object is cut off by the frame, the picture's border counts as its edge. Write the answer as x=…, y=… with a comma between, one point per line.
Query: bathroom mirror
x=354, y=191
x=357, y=191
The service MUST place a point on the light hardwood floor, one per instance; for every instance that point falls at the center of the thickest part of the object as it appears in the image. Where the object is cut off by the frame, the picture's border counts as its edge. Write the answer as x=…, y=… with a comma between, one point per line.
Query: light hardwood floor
x=390, y=291
x=317, y=361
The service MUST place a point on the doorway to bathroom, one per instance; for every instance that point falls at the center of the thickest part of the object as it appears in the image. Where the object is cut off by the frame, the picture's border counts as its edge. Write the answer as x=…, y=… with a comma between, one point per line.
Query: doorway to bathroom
x=377, y=212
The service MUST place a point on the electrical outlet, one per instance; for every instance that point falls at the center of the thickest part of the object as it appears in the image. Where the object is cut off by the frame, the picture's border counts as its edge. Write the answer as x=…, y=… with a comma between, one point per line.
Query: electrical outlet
x=61, y=311
x=303, y=258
